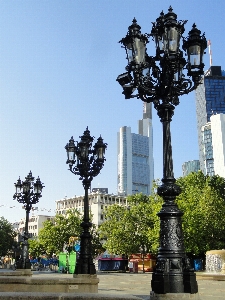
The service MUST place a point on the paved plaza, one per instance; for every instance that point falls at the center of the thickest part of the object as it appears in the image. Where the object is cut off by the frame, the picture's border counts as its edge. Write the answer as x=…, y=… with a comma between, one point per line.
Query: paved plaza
x=139, y=284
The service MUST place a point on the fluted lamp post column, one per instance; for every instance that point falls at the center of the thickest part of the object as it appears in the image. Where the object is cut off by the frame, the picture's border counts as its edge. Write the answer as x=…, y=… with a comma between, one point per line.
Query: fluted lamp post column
x=86, y=162
x=28, y=193
x=161, y=79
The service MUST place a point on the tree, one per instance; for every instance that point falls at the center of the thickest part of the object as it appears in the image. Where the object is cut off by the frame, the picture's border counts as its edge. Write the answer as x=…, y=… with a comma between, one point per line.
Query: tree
x=136, y=228
x=203, y=202
x=97, y=245
x=56, y=233
x=132, y=229
x=36, y=248
x=7, y=235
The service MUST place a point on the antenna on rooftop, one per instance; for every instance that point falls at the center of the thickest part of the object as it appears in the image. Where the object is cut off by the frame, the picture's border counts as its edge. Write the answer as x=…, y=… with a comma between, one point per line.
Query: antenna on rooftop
x=210, y=52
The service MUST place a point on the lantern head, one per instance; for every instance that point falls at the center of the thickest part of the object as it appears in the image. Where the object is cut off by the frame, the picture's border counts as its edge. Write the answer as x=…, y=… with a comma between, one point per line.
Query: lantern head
x=100, y=149
x=71, y=151
x=18, y=187
x=135, y=44
x=195, y=46
x=173, y=31
x=38, y=185
x=84, y=145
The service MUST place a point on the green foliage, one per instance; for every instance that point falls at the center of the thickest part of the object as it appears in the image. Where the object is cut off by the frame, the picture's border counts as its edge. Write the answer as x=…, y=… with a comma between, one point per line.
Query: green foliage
x=135, y=228
x=56, y=233
x=203, y=203
x=132, y=229
x=97, y=245
x=36, y=248
x=7, y=235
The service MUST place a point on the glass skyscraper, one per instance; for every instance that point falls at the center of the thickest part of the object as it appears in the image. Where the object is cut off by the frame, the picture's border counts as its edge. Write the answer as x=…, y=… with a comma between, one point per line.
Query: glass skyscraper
x=207, y=148
x=135, y=157
x=210, y=100
x=190, y=166
x=218, y=143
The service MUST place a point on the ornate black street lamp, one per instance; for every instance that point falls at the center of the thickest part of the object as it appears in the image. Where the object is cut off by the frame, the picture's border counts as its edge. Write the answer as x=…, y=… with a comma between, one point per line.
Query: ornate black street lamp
x=87, y=163
x=27, y=192
x=161, y=79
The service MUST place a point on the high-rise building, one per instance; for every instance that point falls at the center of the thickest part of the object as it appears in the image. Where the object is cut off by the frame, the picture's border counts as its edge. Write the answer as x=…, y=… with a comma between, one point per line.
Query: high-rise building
x=210, y=100
x=207, y=150
x=218, y=143
x=213, y=135
x=135, y=157
x=190, y=166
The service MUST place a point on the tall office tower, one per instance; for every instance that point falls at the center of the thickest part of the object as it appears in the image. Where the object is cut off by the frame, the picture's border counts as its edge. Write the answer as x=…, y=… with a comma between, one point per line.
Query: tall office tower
x=210, y=99
x=190, y=166
x=207, y=150
x=135, y=157
x=218, y=143
x=213, y=135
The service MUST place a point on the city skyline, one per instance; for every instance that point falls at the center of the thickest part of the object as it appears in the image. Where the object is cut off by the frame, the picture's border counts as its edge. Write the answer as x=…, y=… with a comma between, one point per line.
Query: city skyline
x=58, y=67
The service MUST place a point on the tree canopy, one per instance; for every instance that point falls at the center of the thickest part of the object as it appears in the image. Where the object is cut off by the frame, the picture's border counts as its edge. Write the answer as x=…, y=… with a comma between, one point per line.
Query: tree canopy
x=56, y=233
x=132, y=229
x=203, y=203
x=7, y=235
x=135, y=228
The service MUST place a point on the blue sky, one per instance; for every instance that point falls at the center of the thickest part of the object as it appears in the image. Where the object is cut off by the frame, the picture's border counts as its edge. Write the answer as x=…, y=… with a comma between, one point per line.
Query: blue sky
x=58, y=66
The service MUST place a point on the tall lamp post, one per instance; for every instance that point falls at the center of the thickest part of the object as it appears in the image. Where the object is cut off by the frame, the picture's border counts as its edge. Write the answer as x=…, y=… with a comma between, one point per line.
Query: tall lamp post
x=161, y=79
x=27, y=192
x=86, y=162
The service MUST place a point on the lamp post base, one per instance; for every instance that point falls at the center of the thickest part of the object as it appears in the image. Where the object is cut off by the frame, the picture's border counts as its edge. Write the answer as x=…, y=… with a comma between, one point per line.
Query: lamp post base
x=163, y=283
x=85, y=267
x=174, y=296
x=23, y=265
x=173, y=272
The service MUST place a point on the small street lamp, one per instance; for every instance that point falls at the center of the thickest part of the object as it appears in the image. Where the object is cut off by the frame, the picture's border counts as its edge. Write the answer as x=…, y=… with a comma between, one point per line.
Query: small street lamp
x=161, y=79
x=27, y=192
x=86, y=162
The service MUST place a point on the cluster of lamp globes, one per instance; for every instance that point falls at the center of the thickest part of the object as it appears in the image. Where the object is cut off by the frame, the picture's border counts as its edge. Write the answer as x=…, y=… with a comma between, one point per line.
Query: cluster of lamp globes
x=28, y=192
x=88, y=161
x=160, y=76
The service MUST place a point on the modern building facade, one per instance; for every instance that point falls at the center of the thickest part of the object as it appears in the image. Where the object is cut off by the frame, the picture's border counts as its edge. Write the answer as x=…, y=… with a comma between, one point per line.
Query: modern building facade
x=218, y=143
x=210, y=100
x=98, y=202
x=207, y=150
x=35, y=223
x=135, y=171
x=190, y=166
x=213, y=141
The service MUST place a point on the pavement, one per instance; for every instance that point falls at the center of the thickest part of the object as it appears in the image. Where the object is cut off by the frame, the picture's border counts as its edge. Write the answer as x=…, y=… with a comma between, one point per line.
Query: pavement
x=210, y=286
x=139, y=284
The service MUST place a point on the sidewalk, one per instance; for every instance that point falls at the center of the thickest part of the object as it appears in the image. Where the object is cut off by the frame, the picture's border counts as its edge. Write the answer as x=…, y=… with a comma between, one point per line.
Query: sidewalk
x=140, y=284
